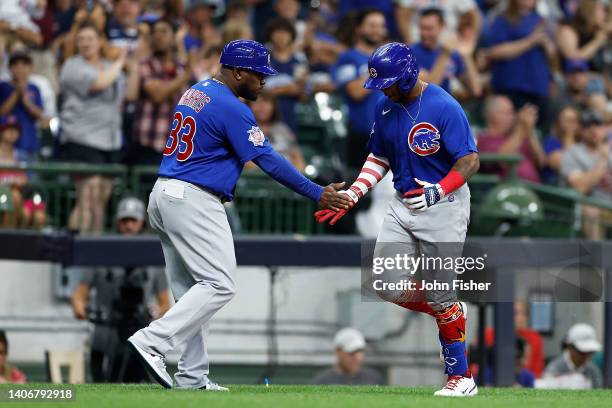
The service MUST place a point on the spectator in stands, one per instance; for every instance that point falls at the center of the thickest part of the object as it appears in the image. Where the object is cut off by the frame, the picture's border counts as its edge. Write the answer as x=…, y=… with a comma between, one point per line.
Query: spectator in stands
x=574, y=368
x=581, y=88
x=92, y=89
x=8, y=373
x=236, y=30
x=530, y=346
x=350, y=73
x=162, y=80
x=524, y=376
x=16, y=24
x=22, y=99
x=348, y=8
x=29, y=208
x=504, y=136
x=442, y=62
x=94, y=15
x=282, y=139
x=290, y=11
x=587, y=36
x=289, y=85
x=238, y=10
x=462, y=18
x=201, y=32
x=586, y=167
x=122, y=26
x=564, y=136
x=117, y=299
x=519, y=47
x=15, y=180
x=348, y=369
x=208, y=66
x=322, y=47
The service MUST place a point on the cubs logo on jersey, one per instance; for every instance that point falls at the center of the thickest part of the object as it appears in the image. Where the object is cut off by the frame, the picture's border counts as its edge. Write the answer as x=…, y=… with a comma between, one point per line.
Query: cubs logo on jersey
x=424, y=139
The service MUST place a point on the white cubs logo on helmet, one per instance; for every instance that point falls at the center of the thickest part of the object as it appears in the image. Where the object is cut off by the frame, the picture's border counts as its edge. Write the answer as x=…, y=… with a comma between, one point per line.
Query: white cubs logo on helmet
x=373, y=73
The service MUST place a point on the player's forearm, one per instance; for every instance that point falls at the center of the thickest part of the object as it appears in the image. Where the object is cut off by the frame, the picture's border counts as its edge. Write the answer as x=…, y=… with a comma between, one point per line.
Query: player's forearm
x=374, y=169
x=279, y=168
x=467, y=165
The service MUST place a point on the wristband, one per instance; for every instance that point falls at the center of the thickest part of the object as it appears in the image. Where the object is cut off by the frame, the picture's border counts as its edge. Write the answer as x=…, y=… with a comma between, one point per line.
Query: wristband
x=451, y=182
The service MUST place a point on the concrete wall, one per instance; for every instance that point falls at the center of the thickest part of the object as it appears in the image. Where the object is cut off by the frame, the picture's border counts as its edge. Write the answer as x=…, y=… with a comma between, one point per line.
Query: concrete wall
x=307, y=306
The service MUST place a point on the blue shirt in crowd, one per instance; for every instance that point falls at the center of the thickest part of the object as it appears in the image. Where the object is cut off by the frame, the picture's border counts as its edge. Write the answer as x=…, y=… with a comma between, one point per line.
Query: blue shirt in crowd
x=351, y=65
x=28, y=141
x=528, y=72
x=550, y=144
x=286, y=75
x=192, y=43
x=426, y=58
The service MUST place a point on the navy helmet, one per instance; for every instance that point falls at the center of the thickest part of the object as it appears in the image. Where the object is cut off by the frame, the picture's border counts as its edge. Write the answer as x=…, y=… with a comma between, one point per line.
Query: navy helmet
x=247, y=54
x=391, y=63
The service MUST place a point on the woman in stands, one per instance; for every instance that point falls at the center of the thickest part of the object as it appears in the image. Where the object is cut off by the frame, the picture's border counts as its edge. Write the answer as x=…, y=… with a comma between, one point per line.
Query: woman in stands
x=92, y=89
x=587, y=35
x=564, y=135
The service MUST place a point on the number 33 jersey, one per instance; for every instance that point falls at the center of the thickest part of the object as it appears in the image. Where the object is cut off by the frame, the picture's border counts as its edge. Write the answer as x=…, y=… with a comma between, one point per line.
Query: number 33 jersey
x=426, y=148
x=211, y=137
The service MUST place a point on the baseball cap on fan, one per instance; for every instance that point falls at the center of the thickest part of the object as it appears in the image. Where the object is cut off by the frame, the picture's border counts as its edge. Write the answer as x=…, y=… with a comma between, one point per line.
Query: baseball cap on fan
x=131, y=207
x=349, y=340
x=582, y=336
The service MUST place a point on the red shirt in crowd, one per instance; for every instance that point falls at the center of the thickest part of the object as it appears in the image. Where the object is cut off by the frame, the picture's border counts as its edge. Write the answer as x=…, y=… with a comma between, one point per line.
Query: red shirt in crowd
x=526, y=170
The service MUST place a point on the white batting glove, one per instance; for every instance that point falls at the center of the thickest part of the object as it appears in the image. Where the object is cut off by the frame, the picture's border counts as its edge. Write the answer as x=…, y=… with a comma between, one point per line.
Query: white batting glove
x=422, y=198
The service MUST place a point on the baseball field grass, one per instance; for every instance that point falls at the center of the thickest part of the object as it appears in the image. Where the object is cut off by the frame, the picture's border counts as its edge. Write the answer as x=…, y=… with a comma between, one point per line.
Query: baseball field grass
x=297, y=396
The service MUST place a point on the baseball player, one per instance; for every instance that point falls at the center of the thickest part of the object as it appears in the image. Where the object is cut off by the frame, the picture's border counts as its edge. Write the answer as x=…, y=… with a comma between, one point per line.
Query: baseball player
x=422, y=134
x=213, y=134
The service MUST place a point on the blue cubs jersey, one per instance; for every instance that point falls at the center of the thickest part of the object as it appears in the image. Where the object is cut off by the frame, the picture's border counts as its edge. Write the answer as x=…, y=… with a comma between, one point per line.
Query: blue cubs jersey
x=427, y=149
x=212, y=136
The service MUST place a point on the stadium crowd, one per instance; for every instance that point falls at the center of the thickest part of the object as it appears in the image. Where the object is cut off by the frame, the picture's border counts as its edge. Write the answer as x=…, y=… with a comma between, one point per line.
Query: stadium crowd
x=104, y=76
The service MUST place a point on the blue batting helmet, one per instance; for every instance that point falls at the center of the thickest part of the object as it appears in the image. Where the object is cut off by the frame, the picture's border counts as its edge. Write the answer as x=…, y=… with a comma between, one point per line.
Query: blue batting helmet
x=391, y=63
x=247, y=54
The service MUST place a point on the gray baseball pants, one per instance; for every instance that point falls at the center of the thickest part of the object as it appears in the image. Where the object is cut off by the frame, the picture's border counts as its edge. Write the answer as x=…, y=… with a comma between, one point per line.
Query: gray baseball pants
x=200, y=262
x=439, y=231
